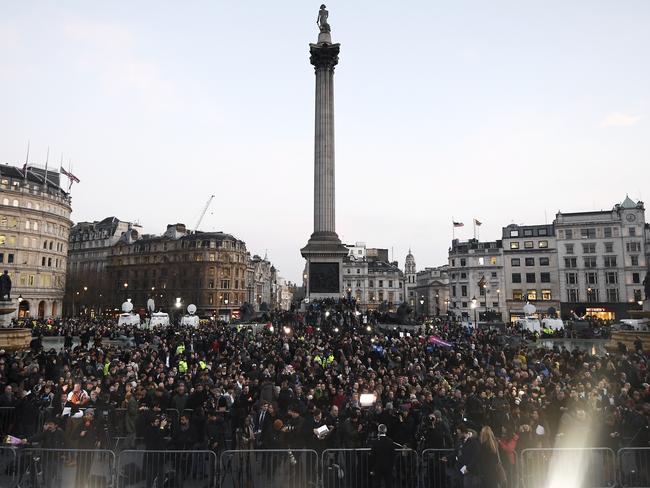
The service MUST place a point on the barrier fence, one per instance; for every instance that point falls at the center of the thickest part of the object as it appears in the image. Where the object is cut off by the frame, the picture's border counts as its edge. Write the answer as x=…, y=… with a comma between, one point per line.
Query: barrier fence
x=169, y=469
x=62, y=468
x=28, y=467
x=634, y=467
x=579, y=467
x=295, y=468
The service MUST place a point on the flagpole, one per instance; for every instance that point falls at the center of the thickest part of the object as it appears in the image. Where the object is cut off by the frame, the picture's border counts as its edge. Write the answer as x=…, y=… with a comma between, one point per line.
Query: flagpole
x=474, y=224
x=453, y=229
x=26, y=162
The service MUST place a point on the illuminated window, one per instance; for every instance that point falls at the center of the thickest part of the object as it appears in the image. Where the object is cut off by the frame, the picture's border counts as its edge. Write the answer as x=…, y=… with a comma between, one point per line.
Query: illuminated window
x=528, y=244
x=542, y=244
x=493, y=260
x=514, y=245
x=532, y=295
x=546, y=295
x=481, y=261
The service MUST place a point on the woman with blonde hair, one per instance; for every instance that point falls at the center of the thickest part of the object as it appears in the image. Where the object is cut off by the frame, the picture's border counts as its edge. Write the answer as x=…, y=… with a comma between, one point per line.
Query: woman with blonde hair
x=493, y=474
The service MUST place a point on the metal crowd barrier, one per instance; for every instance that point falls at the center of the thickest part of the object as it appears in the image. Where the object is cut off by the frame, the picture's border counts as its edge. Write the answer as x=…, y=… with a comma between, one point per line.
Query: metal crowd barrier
x=282, y=468
x=354, y=468
x=8, y=466
x=63, y=468
x=634, y=467
x=168, y=469
x=437, y=468
x=579, y=467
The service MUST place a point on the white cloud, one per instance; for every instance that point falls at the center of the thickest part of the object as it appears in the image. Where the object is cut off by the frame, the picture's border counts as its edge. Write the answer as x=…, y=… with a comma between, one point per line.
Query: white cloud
x=618, y=119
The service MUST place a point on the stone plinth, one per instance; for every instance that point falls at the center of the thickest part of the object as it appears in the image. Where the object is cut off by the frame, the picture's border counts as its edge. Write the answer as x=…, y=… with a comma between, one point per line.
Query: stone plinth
x=15, y=339
x=628, y=338
x=7, y=308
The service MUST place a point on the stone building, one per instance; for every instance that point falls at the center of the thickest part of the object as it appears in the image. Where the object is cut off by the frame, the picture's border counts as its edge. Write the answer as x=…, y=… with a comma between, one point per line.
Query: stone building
x=34, y=228
x=602, y=260
x=373, y=281
x=476, y=278
x=431, y=292
x=410, y=279
x=207, y=269
x=530, y=269
x=260, y=277
x=88, y=285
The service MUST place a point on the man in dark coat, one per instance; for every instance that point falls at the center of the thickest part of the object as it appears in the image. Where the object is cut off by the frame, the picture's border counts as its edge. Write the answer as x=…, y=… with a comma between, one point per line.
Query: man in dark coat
x=382, y=458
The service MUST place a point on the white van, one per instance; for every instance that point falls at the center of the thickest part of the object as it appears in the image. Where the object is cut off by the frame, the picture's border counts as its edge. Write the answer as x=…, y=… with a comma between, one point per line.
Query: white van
x=159, y=319
x=128, y=319
x=190, y=321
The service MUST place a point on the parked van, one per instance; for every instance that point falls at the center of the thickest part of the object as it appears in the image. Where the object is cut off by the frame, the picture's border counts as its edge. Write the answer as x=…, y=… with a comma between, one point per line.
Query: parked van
x=129, y=319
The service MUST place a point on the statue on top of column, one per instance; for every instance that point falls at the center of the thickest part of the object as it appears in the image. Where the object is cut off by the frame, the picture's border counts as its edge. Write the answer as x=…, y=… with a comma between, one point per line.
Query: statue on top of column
x=321, y=21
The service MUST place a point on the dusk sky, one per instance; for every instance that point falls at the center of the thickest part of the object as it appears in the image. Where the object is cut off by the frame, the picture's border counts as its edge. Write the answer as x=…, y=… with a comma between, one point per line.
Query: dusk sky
x=504, y=111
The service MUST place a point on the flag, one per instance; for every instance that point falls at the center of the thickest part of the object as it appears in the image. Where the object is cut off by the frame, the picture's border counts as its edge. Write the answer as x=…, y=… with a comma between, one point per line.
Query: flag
x=70, y=175
x=458, y=224
x=476, y=222
x=439, y=342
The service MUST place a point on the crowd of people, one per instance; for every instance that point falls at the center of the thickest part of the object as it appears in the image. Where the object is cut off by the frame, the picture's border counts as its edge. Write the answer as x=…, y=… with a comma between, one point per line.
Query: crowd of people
x=328, y=378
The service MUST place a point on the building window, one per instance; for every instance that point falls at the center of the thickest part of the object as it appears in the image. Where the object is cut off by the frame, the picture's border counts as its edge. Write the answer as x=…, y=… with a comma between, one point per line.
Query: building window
x=463, y=290
x=481, y=261
x=591, y=278
x=528, y=232
x=381, y=283
x=588, y=233
x=514, y=233
x=493, y=260
x=516, y=277
x=572, y=295
x=453, y=290
x=632, y=231
x=493, y=274
x=633, y=247
x=517, y=295
x=530, y=261
x=545, y=277
x=542, y=232
x=611, y=278
x=592, y=295
x=590, y=262
x=514, y=245
x=546, y=295
x=636, y=278
x=543, y=261
x=589, y=248
x=542, y=244
x=390, y=283
x=607, y=232
x=612, y=294
x=610, y=261
x=609, y=247
x=463, y=276
x=463, y=262
x=569, y=233
x=358, y=271
x=568, y=248
x=530, y=277
x=634, y=260
x=570, y=262
x=371, y=284
x=515, y=262
x=532, y=295
x=528, y=244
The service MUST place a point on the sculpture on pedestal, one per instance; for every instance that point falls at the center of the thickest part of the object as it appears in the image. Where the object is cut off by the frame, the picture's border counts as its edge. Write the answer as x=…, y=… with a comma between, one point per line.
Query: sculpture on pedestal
x=5, y=286
x=323, y=14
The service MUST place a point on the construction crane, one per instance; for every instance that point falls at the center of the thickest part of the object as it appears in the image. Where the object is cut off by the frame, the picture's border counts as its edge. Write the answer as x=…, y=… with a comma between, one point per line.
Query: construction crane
x=205, y=209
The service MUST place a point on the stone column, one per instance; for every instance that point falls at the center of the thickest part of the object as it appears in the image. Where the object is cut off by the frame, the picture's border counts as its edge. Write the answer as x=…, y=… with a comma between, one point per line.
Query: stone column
x=324, y=57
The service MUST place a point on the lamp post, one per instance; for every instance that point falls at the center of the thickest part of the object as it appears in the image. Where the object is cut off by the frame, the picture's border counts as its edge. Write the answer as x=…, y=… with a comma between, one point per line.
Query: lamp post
x=447, y=306
x=499, y=302
x=474, y=307
x=20, y=299
x=422, y=305
x=437, y=305
x=126, y=291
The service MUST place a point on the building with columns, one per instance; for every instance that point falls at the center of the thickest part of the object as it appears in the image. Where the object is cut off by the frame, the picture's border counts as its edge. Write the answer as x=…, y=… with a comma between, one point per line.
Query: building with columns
x=431, y=292
x=602, y=259
x=34, y=227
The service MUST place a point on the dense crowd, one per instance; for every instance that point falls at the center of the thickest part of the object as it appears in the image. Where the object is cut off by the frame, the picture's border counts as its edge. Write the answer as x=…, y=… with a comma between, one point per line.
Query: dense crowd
x=324, y=379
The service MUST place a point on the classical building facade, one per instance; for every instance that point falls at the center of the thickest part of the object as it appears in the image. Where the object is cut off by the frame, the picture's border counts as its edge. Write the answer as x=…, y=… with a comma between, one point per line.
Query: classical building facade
x=476, y=278
x=88, y=285
x=602, y=260
x=207, y=269
x=260, y=278
x=373, y=281
x=410, y=279
x=530, y=260
x=430, y=295
x=34, y=228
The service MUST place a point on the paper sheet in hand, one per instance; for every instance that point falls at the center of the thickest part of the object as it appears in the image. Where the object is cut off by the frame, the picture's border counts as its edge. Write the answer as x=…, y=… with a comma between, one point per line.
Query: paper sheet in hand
x=321, y=431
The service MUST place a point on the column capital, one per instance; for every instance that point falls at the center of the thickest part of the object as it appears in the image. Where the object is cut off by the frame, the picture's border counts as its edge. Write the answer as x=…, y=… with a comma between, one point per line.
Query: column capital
x=324, y=56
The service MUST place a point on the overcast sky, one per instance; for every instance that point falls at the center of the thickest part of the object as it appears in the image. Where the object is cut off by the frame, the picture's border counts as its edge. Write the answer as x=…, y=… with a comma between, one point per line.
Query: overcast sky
x=506, y=111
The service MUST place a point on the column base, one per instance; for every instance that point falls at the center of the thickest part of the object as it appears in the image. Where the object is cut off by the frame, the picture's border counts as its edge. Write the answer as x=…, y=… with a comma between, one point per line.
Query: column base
x=324, y=254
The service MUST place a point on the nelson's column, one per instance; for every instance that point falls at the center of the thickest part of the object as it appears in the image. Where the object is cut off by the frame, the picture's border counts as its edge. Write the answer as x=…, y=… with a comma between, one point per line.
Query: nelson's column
x=324, y=252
